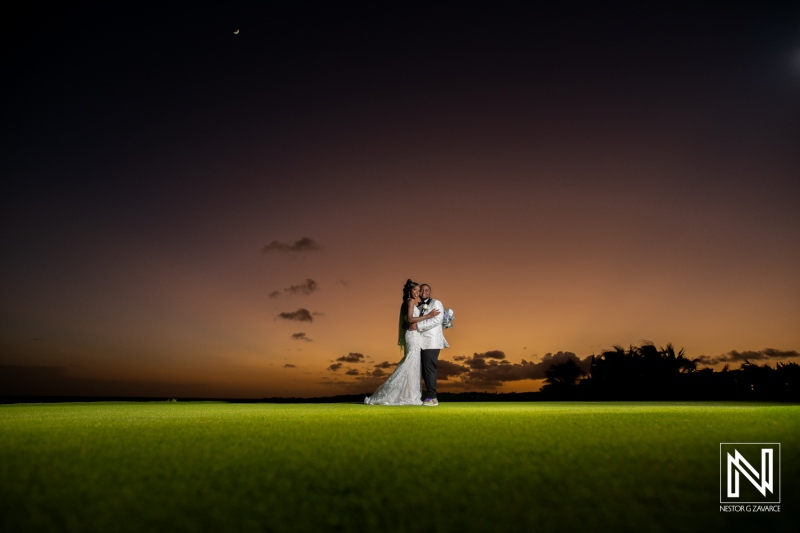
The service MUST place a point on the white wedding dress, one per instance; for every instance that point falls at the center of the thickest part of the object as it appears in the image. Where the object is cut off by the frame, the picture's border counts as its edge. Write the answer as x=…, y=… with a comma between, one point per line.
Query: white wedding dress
x=402, y=387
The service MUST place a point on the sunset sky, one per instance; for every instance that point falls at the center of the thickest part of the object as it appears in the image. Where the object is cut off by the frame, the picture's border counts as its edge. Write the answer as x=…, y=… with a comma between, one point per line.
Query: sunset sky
x=565, y=178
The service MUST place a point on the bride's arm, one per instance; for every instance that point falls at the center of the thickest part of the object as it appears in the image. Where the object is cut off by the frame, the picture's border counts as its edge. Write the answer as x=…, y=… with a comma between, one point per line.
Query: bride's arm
x=414, y=319
x=432, y=319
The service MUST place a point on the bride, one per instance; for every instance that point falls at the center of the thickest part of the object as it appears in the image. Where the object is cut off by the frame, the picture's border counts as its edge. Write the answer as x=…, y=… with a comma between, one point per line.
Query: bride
x=402, y=387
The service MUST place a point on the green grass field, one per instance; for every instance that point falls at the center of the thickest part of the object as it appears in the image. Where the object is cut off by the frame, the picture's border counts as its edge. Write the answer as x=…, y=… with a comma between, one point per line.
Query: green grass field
x=341, y=467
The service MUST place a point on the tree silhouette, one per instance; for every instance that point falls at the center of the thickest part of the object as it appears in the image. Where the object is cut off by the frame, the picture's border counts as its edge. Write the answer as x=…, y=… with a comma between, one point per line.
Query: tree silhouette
x=789, y=375
x=678, y=361
x=641, y=372
x=564, y=374
x=562, y=378
x=647, y=372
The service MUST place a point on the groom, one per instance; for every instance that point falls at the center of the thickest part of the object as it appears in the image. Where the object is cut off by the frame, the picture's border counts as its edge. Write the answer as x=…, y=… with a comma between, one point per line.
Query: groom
x=432, y=341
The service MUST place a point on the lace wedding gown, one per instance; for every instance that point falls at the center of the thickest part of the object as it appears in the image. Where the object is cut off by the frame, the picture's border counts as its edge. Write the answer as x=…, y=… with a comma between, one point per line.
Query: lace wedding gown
x=402, y=387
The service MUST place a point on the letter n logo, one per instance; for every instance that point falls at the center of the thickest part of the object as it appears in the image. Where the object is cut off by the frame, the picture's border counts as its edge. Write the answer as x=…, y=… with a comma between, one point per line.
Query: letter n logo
x=750, y=472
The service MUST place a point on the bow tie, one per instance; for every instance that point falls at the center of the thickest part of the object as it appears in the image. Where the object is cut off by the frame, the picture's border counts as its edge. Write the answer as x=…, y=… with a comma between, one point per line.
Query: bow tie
x=424, y=302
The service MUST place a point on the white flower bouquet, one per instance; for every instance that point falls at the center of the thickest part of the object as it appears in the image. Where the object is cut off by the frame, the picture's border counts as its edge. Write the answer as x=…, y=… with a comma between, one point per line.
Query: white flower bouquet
x=447, y=319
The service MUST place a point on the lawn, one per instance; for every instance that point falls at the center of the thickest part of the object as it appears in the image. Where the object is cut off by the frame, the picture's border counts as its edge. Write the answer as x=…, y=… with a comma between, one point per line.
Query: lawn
x=203, y=466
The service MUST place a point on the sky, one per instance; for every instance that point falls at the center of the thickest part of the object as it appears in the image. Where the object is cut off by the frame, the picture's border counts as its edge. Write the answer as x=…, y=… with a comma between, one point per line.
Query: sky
x=188, y=211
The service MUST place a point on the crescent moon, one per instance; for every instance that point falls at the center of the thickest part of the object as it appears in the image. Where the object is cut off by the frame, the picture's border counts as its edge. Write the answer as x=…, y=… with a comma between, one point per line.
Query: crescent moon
x=236, y=32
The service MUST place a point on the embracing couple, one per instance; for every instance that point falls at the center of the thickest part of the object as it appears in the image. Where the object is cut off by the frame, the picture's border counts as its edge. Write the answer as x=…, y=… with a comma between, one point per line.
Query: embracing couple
x=421, y=337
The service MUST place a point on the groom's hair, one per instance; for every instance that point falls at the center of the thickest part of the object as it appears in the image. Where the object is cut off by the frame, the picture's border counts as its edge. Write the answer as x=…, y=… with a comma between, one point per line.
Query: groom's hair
x=425, y=285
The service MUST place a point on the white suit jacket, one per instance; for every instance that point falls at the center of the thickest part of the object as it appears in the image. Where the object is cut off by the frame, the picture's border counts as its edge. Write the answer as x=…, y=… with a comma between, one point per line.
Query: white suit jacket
x=430, y=330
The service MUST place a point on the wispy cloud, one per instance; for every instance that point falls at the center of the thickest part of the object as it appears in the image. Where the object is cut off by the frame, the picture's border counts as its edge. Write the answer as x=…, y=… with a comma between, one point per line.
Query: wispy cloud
x=305, y=244
x=735, y=356
x=309, y=286
x=335, y=366
x=304, y=289
x=287, y=365
x=301, y=315
x=301, y=336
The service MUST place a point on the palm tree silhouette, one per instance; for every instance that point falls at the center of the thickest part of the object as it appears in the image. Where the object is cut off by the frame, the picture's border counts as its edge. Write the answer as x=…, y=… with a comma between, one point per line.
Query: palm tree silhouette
x=678, y=361
x=641, y=371
x=563, y=375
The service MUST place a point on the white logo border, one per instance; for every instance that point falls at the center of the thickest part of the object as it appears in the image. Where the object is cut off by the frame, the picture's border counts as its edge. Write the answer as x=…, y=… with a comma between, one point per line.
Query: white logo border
x=721, y=477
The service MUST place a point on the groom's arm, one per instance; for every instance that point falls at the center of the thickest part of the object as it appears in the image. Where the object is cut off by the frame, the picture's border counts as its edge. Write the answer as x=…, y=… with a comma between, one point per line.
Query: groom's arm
x=430, y=323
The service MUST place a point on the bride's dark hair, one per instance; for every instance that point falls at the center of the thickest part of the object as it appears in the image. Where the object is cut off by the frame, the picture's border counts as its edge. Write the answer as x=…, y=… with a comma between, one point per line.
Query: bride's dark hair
x=407, y=289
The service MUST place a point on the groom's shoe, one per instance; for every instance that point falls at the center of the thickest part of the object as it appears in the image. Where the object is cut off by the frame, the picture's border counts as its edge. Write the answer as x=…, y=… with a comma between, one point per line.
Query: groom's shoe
x=430, y=402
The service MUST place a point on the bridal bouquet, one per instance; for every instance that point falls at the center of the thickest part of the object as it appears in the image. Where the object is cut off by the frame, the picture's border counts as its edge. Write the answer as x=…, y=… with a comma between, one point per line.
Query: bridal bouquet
x=447, y=319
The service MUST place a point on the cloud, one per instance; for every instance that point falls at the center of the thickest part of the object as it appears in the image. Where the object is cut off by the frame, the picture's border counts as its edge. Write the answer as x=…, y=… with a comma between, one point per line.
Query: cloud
x=734, y=356
x=301, y=337
x=478, y=360
x=309, y=286
x=386, y=364
x=335, y=366
x=352, y=372
x=352, y=358
x=445, y=369
x=304, y=289
x=558, y=358
x=343, y=283
x=287, y=365
x=301, y=315
x=303, y=245
x=491, y=354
